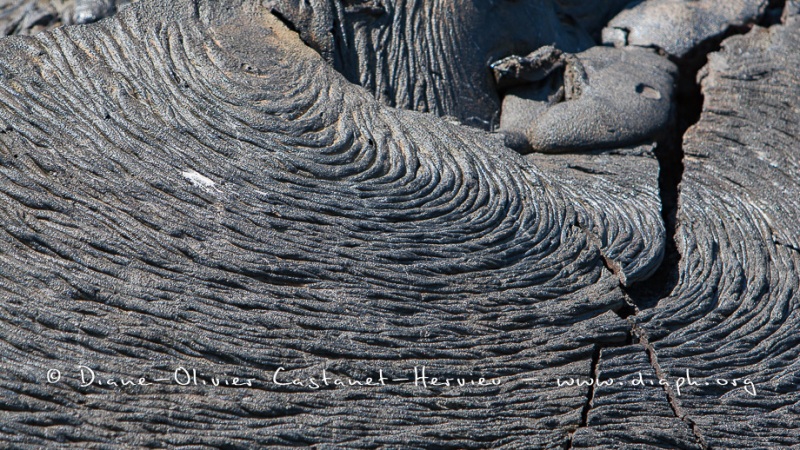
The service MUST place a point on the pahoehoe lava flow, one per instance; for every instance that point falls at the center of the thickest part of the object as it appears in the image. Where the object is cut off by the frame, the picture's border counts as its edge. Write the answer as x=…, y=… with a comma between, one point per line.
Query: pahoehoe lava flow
x=193, y=183
x=187, y=182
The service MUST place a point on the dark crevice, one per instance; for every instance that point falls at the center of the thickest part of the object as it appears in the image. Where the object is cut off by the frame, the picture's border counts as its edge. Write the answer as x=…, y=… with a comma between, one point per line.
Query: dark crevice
x=304, y=36
x=590, y=397
x=594, y=374
x=773, y=14
x=788, y=246
x=609, y=264
x=587, y=406
x=677, y=410
x=626, y=310
x=289, y=24
x=669, y=152
x=588, y=170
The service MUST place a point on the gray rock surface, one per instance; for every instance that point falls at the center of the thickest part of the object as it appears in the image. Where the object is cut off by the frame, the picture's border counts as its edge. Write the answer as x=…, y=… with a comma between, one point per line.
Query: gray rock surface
x=678, y=26
x=602, y=97
x=33, y=16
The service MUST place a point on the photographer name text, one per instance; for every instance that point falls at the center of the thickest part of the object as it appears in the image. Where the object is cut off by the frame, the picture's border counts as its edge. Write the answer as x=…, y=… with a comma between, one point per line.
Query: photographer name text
x=419, y=376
